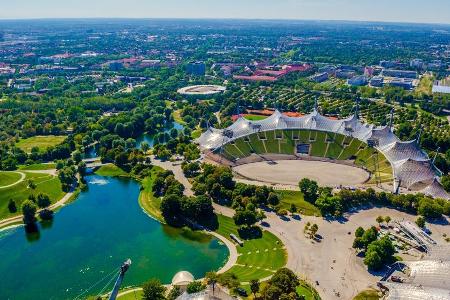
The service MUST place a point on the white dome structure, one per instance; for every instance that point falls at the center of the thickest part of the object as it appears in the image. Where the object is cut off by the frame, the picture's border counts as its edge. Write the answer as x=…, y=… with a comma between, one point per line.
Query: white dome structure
x=182, y=279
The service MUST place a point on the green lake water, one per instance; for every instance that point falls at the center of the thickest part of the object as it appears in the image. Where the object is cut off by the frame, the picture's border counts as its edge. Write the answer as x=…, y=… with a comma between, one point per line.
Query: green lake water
x=91, y=237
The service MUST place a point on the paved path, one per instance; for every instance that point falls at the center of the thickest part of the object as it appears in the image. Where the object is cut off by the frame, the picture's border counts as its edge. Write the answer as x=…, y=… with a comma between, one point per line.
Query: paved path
x=22, y=178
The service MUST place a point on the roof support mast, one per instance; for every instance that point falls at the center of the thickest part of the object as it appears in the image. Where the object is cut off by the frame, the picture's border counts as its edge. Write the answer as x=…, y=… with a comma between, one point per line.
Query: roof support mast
x=123, y=270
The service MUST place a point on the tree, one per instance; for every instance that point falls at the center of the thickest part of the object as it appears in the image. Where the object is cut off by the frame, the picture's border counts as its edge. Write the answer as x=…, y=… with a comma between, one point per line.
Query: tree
x=145, y=147
x=359, y=232
x=283, y=283
x=373, y=260
x=31, y=184
x=29, y=211
x=43, y=200
x=195, y=287
x=273, y=199
x=310, y=189
x=12, y=206
x=254, y=286
x=153, y=290
x=420, y=222
x=387, y=219
x=77, y=157
x=314, y=229
x=245, y=217
x=211, y=279
x=174, y=293
x=379, y=220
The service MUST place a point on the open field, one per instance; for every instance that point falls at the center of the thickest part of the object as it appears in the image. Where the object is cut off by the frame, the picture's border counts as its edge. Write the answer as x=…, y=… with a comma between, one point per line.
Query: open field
x=287, y=198
x=332, y=261
x=290, y=172
x=7, y=178
x=150, y=203
x=45, y=183
x=255, y=117
x=258, y=258
x=42, y=142
x=38, y=167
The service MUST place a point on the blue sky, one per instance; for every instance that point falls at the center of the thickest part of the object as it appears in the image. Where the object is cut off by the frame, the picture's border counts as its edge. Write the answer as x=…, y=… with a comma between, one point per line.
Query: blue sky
x=420, y=11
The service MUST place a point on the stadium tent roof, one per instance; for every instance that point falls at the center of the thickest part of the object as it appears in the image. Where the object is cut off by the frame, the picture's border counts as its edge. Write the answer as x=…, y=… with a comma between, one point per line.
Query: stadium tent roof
x=402, y=291
x=411, y=166
x=430, y=273
x=398, y=150
x=435, y=189
x=409, y=172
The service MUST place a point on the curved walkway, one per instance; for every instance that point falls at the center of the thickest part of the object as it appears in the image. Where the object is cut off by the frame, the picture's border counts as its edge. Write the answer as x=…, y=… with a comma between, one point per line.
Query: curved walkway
x=22, y=178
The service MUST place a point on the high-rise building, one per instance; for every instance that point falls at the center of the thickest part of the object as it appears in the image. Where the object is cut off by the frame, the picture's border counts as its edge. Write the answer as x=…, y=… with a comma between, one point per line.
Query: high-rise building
x=197, y=68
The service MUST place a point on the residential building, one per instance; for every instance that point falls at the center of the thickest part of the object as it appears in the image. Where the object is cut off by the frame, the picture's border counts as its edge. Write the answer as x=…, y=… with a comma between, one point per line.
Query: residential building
x=197, y=68
x=320, y=77
x=357, y=80
x=376, y=81
x=399, y=73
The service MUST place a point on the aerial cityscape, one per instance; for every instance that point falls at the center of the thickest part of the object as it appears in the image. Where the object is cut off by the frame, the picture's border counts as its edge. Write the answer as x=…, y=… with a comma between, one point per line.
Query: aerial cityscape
x=293, y=150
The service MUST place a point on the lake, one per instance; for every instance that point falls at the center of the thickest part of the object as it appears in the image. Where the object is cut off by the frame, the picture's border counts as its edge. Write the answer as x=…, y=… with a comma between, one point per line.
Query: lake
x=94, y=235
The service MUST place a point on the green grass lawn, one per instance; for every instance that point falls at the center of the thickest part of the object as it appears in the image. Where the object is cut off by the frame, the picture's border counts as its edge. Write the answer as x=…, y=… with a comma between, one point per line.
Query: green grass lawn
x=110, y=170
x=177, y=117
x=150, y=203
x=287, y=198
x=7, y=178
x=308, y=291
x=367, y=295
x=42, y=142
x=255, y=117
x=45, y=183
x=258, y=258
x=37, y=167
x=132, y=296
x=196, y=133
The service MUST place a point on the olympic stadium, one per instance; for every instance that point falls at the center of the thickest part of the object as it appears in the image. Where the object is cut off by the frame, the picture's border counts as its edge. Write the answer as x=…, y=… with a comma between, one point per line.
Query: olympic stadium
x=315, y=137
x=201, y=90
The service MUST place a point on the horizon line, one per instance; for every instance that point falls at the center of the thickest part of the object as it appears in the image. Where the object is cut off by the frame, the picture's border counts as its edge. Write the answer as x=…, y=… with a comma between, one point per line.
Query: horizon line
x=221, y=19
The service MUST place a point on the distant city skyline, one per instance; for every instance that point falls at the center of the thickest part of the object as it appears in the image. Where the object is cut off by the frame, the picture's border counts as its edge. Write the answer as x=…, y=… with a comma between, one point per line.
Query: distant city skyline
x=416, y=11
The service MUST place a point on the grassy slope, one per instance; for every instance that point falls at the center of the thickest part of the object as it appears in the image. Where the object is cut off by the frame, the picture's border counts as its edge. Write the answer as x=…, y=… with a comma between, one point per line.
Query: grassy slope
x=367, y=295
x=49, y=166
x=110, y=170
x=132, y=296
x=42, y=142
x=287, y=198
x=150, y=203
x=308, y=291
x=44, y=184
x=177, y=117
x=7, y=178
x=257, y=258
